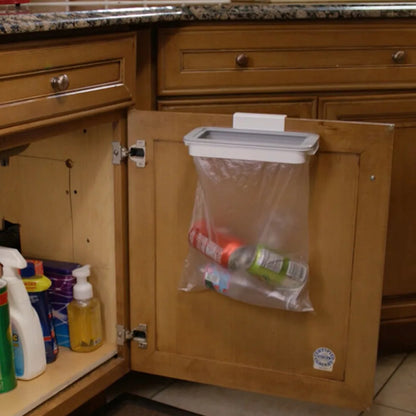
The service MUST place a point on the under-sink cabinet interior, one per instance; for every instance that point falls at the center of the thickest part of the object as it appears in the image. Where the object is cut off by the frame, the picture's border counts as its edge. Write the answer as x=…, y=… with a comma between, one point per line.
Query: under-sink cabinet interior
x=61, y=192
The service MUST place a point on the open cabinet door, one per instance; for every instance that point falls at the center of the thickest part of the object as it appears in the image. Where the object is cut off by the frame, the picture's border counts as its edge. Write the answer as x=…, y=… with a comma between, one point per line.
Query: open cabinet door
x=208, y=338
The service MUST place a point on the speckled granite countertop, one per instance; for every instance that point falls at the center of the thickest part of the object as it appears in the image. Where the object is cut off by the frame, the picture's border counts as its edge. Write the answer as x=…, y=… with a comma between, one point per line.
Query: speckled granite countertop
x=27, y=21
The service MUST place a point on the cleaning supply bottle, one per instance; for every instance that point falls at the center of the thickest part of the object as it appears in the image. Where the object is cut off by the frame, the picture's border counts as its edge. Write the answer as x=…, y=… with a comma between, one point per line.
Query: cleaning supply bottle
x=84, y=314
x=28, y=346
x=7, y=375
x=60, y=295
x=37, y=286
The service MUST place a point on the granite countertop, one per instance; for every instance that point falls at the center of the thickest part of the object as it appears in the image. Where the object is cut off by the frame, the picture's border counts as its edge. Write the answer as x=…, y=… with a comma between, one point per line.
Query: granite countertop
x=25, y=20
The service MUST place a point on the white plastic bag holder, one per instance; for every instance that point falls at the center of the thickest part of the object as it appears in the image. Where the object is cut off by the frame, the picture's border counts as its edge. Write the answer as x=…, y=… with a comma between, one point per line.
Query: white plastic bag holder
x=254, y=136
x=258, y=145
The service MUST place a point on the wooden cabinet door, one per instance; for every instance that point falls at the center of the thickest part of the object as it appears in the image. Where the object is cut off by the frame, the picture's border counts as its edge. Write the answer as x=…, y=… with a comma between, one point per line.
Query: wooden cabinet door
x=205, y=337
x=400, y=269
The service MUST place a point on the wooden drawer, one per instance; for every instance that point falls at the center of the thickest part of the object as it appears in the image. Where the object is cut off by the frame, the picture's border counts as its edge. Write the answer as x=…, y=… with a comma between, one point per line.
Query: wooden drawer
x=296, y=106
x=285, y=57
x=100, y=72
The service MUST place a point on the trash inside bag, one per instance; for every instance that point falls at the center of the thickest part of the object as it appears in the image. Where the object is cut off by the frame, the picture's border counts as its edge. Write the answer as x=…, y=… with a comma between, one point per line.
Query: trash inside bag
x=248, y=236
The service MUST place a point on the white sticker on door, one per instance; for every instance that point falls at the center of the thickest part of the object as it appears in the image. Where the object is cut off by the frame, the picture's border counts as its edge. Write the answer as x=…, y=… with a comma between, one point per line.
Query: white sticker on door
x=323, y=359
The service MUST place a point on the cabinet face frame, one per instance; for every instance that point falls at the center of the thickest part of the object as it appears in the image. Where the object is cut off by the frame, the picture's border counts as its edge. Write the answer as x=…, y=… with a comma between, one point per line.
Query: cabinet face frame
x=373, y=145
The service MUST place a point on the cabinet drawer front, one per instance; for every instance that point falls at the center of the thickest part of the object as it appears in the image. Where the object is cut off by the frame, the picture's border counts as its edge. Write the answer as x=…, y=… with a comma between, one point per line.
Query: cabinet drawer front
x=285, y=57
x=96, y=73
x=300, y=106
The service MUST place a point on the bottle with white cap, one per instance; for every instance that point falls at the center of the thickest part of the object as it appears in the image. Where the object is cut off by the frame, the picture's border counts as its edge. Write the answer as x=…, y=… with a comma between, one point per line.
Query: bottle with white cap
x=84, y=314
x=27, y=336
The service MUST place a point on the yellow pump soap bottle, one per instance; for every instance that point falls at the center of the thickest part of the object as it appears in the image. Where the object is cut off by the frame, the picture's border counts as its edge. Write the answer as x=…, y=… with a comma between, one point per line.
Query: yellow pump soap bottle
x=84, y=314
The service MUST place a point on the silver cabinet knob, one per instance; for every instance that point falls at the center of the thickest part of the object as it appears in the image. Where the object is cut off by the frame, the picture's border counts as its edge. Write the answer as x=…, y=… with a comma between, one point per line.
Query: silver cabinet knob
x=398, y=56
x=60, y=83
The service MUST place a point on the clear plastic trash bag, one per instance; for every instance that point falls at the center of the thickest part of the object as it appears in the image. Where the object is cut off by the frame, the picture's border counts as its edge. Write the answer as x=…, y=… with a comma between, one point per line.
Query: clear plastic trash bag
x=249, y=232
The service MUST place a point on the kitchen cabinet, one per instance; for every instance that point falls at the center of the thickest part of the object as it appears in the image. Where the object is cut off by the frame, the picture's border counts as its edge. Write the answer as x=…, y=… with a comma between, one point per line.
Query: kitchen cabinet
x=65, y=192
x=131, y=223
x=203, y=336
x=319, y=70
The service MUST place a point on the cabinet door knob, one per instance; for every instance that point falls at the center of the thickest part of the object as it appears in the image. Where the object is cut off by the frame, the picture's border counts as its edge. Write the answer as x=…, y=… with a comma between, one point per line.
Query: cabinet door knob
x=398, y=56
x=60, y=83
x=241, y=60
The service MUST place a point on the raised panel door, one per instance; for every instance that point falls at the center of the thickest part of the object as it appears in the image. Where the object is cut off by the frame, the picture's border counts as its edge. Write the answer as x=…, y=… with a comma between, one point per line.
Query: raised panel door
x=208, y=338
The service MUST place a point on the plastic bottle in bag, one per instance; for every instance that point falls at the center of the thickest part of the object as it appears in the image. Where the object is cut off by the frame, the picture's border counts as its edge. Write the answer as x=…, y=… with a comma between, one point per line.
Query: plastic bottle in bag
x=222, y=250
x=245, y=288
x=271, y=266
x=255, y=259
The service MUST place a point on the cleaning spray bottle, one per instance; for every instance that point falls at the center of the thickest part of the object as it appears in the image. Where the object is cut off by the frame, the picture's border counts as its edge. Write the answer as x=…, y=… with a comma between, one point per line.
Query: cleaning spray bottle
x=28, y=346
x=84, y=314
x=7, y=375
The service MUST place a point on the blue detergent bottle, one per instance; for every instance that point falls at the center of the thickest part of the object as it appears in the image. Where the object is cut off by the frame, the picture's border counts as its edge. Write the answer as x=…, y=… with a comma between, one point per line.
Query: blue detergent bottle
x=37, y=286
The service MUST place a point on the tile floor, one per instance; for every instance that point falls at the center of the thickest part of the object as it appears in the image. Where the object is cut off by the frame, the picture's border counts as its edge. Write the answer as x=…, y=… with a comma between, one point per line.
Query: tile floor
x=394, y=394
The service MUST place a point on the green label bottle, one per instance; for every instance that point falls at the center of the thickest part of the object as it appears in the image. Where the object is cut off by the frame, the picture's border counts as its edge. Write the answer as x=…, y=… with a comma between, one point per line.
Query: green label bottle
x=277, y=269
x=7, y=374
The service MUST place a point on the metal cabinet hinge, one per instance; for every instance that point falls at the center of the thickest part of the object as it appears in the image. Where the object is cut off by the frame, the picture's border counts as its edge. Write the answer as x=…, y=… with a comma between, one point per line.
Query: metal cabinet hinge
x=138, y=334
x=136, y=153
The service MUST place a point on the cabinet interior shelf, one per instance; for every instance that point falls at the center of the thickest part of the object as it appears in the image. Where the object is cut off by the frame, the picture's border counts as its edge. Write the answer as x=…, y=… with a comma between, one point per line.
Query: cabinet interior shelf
x=68, y=367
